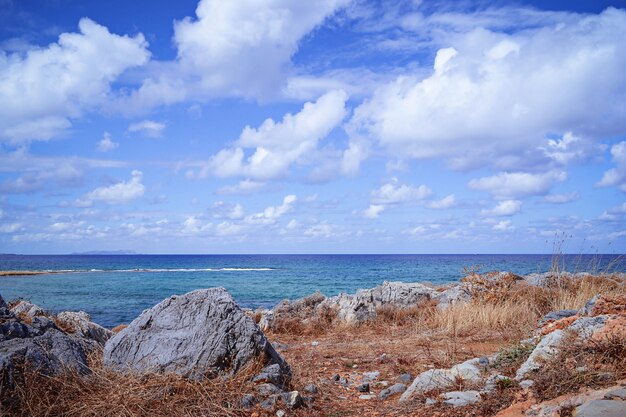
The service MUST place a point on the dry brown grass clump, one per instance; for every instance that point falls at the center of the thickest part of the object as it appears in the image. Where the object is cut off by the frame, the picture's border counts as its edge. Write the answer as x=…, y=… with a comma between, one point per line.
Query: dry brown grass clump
x=594, y=363
x=108, y=393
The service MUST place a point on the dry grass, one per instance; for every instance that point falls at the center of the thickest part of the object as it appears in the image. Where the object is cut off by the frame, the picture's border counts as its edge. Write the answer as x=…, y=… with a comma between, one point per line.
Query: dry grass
x=108, y=393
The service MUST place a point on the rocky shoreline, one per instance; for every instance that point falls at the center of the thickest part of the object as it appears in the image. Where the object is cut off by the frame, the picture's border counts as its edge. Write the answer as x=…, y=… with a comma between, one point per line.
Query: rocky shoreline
x=205, y=334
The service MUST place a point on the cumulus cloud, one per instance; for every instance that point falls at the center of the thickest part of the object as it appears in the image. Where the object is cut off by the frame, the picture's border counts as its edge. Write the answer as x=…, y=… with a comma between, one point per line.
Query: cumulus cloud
x=614, y=214
x=272, y=213
x=561, y=198
x=394, y=193
x=43, y=89
x=8, y=228
x=242, y=187
x=493, y=97
x=445, y=203
x=106, y=144
x=616, y=176
x=511, y=185
x=219, y=50
x=120, y=193
x=373, y=211
x=503, y=226
x=504, y=208
x=275, y=146
x=149, y=128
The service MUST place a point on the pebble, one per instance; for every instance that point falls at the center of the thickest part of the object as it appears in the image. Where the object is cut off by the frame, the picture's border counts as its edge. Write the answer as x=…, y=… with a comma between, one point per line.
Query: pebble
x=363, y=387
x=311, y=389
x=280, y=413
x=367, y=397
x=393, y=390
x=405, y=378
x=335, y=377
x=315, y=343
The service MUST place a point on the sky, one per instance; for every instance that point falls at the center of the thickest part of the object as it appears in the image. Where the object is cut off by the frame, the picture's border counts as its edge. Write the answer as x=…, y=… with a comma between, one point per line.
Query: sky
x=334, y=126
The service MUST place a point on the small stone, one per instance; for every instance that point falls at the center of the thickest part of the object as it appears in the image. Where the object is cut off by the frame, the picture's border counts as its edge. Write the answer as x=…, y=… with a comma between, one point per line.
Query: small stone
x=311, y=389
x=343, y=381
x=616, y=394
x=363, y=387
x=461, y=398
x=370, y=376
x=405, y=378
x=270, y=402
x=601, y=408
x=280, y=413
x=527, y=383
x=315, y=343
x=430, y=401
x=392, y=390
x=292, y=399
x=366, y=397
x=268, y=389
x=335, y=377
x=248, y=401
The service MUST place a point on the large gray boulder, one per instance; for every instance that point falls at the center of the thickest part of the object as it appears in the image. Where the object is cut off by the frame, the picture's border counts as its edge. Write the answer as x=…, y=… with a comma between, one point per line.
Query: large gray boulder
x=362, y=306
x=80, y=324
x=201, y=333
x=37, y=346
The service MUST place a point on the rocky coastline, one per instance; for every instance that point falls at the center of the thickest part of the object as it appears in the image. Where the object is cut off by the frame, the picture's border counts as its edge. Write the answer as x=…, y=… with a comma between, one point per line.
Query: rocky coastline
x=204, y=334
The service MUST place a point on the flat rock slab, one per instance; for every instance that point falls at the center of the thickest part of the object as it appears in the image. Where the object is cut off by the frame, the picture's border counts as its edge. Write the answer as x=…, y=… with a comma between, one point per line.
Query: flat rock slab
x=601, y=408
x=198, y=334
x=460, y=398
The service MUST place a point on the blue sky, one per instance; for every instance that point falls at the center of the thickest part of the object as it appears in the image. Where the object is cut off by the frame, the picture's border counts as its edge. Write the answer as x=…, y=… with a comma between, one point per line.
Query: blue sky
x=337, y=126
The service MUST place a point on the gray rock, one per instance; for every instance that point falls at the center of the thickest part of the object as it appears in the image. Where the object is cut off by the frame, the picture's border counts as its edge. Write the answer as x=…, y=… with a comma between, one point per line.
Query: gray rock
x=391, y=391
x=270, y=402
x=545, y=349
x=430, y=401
x=360, y=307
x=453, y=295
x=601, y=408
x=492, y=382
x=280, y=413
x=268, y=389
x=589, y=305
x=616, y=394
x=80, y=324
x=460, y=398
x=363, y=387
x=586, y=326
x=367, y=397
x=557, y=315
x=27, y=308
x=405, y=378
x=50, y=353
x=335, y=377
x=292, y=399
x=468, y=370
x=248, y=401
x=428, y=381
x=343, y=381
x=311, y=389
x=370, y=377
x=200, y=333
x=4, y=308
x=271, y=373
x=527, y=383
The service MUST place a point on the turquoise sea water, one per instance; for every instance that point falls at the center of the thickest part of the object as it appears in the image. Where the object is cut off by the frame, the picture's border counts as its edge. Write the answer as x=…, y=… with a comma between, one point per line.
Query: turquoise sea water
x=114, y=289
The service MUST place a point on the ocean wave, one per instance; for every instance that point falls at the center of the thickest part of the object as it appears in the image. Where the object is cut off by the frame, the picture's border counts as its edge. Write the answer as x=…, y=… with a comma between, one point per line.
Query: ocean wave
x=226, y=269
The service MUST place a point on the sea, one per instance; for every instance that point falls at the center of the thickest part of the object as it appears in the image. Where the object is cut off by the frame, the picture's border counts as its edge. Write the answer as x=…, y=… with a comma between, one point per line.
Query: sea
x=115, y=289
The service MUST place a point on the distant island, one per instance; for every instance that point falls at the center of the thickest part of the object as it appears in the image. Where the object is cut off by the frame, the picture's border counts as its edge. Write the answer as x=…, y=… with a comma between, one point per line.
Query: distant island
x=106, y=252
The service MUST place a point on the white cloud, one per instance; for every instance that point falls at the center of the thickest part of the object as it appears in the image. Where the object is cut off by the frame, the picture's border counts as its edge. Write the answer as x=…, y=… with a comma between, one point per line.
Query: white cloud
x=570, y=148
x=243, y=187
x=272, y=213
x=107, y=144
x=614, y=214
x=373, y=211
x=444, y=203
x=119, y=193
x=149, y=128
x=320, y=230
x=193, y=226
x=616, y=176
x=504, y=208
x=496, y=100
x=503, y=226
x=219, y=50
x=11, y=227
x=276, y=146
x=561, y=198
x=507, y=185
x=42, y=89
x=394, y=193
